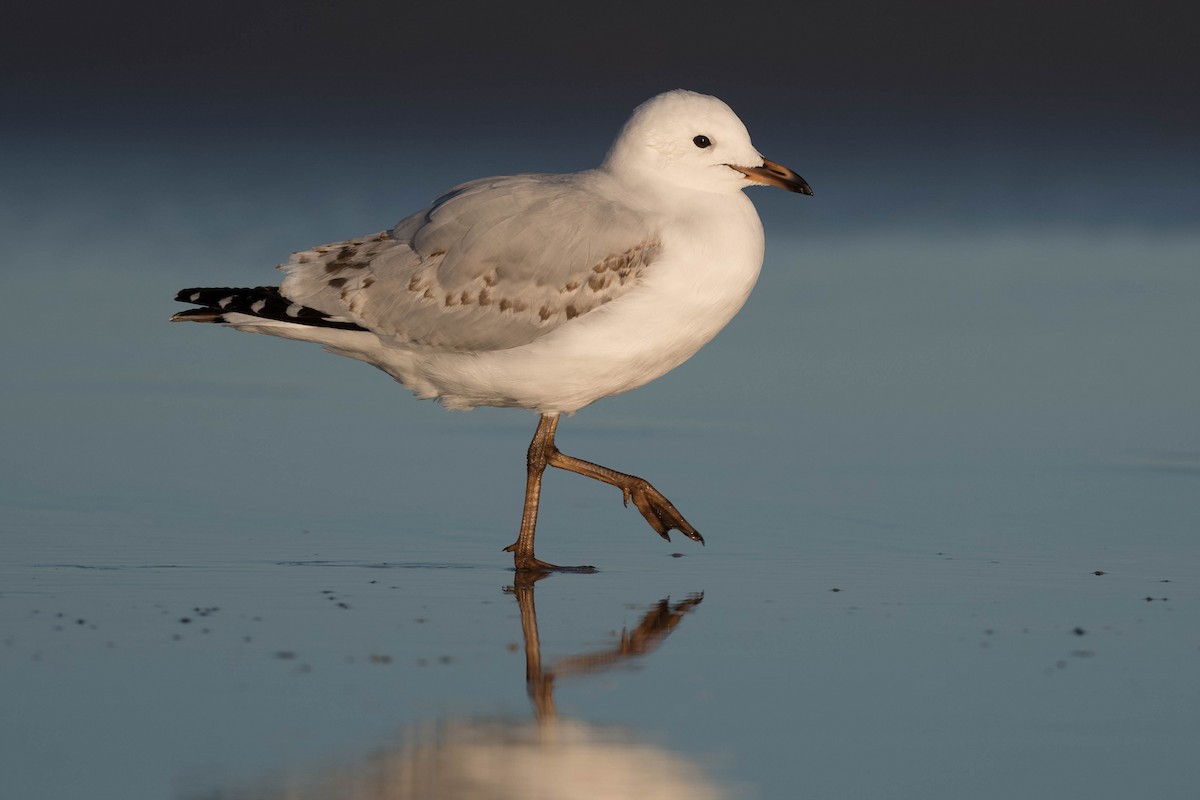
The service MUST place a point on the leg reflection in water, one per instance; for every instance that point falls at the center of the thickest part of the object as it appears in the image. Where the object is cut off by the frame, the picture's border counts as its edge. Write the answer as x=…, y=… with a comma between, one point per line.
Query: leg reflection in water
x=550, y=758
x=654, y=627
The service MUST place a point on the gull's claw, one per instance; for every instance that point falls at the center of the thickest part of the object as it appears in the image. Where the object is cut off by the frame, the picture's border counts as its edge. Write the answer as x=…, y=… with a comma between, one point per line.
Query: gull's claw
x=658, y=510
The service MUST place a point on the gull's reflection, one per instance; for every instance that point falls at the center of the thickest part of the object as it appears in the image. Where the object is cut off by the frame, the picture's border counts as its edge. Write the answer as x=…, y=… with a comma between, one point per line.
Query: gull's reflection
x=548, y=757
x=655, y=625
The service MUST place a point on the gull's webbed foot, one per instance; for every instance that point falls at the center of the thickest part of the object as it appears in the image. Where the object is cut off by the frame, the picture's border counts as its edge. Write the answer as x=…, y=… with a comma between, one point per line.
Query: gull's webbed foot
x=529, y=564
x=657, y=509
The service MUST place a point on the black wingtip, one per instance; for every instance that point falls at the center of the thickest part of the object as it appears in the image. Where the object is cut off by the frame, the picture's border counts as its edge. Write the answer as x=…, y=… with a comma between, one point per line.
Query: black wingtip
x=265, y=302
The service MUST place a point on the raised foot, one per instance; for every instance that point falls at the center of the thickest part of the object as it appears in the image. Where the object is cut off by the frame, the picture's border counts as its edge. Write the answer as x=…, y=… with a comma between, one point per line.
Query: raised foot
x=658, y=510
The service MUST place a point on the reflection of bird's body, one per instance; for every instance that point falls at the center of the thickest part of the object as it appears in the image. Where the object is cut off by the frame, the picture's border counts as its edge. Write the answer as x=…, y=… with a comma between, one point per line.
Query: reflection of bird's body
x=545, y=292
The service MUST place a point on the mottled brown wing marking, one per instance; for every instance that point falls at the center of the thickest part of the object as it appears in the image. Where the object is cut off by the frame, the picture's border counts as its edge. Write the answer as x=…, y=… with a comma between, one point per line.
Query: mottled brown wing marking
x=515, y=306
x=573, y=300
x=347, y=258
x=618, y=269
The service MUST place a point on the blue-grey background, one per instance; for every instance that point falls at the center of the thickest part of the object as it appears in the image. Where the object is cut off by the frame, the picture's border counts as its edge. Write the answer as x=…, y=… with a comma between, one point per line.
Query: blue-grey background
x=966, y=383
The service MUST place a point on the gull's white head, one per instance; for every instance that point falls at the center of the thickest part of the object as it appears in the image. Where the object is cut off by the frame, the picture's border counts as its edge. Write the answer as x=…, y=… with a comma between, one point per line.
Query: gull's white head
x=692, y=140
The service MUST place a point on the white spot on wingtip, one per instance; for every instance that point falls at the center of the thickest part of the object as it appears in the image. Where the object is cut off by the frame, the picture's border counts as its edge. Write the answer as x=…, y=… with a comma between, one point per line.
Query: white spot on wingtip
x=225, y=301
x=258, y=306
x=294, y=310
x=194, y=297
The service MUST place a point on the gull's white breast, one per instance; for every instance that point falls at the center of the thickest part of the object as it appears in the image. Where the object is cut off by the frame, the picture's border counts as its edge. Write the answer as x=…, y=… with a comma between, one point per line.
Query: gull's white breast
x=711, y=254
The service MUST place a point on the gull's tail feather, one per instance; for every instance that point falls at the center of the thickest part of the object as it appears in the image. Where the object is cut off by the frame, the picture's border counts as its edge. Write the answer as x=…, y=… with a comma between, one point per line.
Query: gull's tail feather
x=264, y=302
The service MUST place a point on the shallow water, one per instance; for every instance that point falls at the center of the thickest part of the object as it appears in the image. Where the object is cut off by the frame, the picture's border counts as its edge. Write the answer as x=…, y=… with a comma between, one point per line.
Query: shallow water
x=948, y=483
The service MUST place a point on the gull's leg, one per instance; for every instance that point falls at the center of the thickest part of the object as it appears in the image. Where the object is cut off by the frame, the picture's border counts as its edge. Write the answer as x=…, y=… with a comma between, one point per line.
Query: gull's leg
x=539, y=450
x=657, y=509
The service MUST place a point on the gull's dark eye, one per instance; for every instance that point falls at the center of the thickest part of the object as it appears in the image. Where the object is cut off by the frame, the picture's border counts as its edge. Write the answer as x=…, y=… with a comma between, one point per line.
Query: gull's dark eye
x=702, y=142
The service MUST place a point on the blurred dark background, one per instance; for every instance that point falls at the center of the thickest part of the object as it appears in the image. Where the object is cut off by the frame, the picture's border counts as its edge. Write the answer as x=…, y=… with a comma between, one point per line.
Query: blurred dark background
x=937, y=113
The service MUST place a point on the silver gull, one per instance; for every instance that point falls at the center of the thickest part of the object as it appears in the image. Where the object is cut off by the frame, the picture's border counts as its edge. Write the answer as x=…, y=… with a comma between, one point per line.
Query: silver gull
x=543, y=291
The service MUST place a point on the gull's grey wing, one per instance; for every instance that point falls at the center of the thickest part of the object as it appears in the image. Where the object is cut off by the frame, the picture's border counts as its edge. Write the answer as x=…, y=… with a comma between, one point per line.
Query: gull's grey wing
x=493, y=264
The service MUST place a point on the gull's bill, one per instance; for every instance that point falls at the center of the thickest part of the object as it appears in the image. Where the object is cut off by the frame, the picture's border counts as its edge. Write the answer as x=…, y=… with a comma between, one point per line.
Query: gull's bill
x=776, y=175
